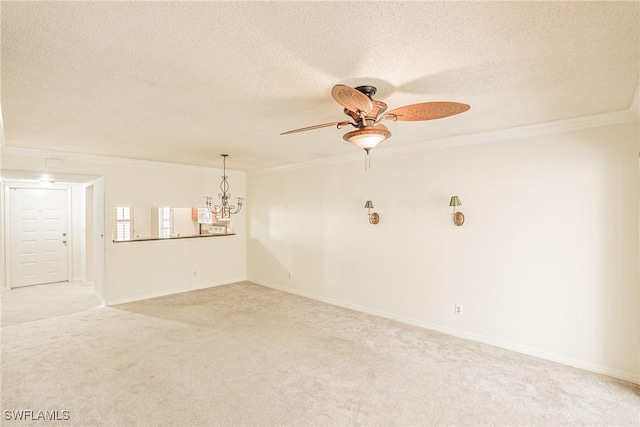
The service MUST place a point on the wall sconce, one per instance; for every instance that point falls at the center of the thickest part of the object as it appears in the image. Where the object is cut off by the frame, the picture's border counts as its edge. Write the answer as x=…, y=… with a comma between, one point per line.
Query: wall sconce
x=458, y=217
x=374, y=218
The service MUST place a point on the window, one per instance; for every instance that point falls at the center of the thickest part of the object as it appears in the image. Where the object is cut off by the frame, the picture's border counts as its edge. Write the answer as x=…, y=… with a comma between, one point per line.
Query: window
x=123, y=223
x=164, y=222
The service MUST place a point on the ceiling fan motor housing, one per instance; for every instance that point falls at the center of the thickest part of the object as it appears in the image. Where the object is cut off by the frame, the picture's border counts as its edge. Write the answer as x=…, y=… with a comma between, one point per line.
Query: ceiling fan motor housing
x=367, y=90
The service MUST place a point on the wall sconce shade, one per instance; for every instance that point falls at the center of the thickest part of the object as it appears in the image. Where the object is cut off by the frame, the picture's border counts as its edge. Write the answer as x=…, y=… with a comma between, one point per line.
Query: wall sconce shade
x=458, y=217
x=374, y=218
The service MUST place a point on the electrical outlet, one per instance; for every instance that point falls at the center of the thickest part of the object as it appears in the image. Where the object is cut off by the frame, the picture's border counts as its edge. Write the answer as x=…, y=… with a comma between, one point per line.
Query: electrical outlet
x=195, y=272
x=457, y=309
x=289, y=275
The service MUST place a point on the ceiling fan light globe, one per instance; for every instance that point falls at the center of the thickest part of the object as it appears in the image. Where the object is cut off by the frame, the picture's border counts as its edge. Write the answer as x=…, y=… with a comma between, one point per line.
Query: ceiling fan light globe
x=367, y=138
x=366, y=141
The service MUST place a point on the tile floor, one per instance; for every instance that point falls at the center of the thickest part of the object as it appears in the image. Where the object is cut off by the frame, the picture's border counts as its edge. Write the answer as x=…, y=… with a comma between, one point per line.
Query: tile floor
x=31, y=303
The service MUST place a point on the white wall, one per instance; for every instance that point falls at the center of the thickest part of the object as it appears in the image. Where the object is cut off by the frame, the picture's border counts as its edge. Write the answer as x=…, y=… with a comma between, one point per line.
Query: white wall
x=546, y=263
x=3, y=268
x=135, y=270
x=183, y=224
x=78, y=229
x=89, y=277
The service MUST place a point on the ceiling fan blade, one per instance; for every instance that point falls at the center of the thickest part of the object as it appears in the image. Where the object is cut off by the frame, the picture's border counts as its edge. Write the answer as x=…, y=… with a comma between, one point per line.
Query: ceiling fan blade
x=351, y=99
x=323, y=125
x=426, y=111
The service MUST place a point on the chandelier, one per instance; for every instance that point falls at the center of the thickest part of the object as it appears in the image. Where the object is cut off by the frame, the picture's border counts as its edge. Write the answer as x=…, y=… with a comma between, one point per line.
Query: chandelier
x=224, y=210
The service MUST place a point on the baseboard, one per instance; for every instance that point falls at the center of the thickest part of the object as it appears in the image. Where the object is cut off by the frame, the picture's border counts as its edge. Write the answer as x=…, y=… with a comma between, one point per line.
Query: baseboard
x=589, y=366
x=173, y=291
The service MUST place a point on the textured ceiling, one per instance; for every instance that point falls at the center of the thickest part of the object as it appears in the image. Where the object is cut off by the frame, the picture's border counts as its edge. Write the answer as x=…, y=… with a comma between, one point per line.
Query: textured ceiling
x=184, y=81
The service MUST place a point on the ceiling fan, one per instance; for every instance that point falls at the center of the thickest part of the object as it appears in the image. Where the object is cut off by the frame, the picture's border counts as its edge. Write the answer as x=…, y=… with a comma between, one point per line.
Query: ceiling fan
x=366, y=113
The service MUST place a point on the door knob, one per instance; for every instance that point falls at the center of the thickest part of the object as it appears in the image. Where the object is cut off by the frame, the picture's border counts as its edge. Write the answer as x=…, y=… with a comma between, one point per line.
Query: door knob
x=64, y=234
x=64, y=242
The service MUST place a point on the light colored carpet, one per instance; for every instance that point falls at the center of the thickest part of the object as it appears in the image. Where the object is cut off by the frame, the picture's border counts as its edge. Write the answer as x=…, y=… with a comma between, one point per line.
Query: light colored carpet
x=31, y=303
x=243, y=354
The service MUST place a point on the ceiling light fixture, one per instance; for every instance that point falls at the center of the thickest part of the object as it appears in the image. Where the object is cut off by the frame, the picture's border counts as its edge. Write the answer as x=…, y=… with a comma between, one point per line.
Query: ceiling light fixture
x=367, y=138
x=224, y=210
x=365, y=114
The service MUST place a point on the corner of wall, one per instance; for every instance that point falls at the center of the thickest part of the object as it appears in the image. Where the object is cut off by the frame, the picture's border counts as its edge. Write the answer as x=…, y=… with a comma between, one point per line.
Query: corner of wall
x=635, y=102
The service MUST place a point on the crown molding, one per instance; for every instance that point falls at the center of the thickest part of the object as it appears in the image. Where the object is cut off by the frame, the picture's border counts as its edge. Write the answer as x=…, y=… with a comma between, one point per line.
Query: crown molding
x=519, y=132
x=324, y=161
x=558, y=126
x=109, y=160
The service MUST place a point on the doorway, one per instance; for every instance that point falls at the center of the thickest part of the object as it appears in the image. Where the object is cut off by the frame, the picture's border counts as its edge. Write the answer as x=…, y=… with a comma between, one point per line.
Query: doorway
x=52, y=229
x=39, y=242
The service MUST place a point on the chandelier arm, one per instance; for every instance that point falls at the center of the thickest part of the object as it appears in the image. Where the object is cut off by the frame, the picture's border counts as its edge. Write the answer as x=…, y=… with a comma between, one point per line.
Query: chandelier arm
x=224, y=209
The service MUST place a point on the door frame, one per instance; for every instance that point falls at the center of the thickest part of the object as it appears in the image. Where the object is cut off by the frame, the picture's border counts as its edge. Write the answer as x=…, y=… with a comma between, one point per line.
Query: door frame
x=8, y=185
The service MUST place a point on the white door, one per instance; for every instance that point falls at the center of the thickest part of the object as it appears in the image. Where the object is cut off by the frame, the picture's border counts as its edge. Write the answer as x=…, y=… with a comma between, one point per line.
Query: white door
x=39, y=239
